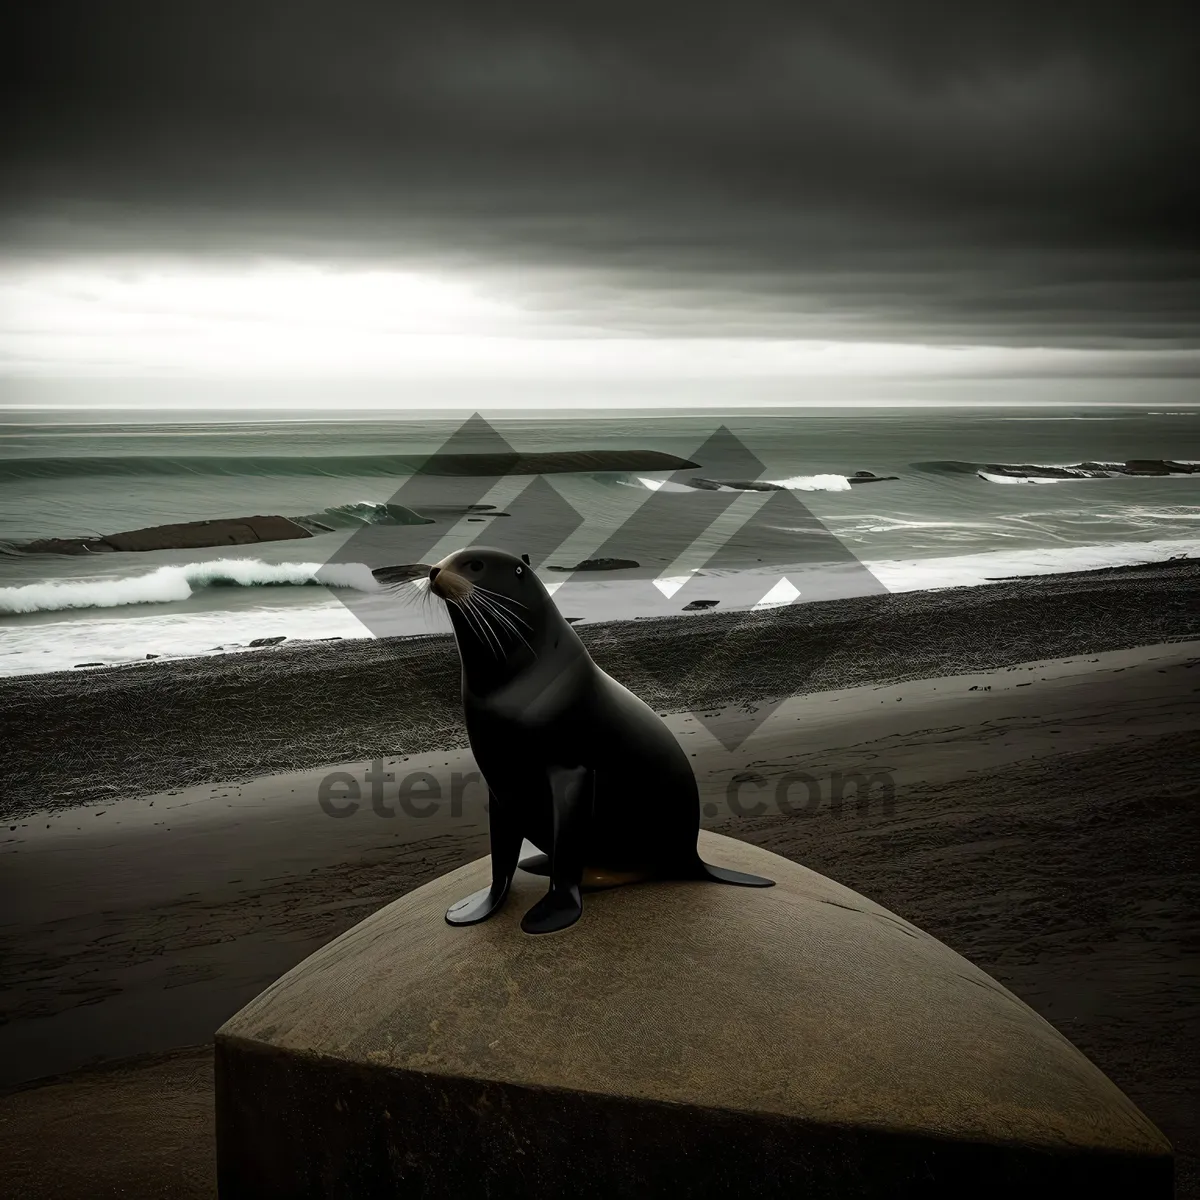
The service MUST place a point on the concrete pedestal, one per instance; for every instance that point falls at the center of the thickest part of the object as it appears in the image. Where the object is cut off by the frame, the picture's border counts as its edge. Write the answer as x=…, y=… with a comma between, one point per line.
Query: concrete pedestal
x=681, y=1039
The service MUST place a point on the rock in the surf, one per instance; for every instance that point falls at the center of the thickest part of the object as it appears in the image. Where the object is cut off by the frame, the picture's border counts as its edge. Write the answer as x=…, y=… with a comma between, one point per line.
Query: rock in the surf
x=600, y=564
x=190, y=535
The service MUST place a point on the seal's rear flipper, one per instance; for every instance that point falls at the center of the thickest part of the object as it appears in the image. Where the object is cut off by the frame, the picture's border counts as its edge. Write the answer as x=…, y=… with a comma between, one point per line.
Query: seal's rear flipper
x=737, y=878
x=557, y=909
x=572, y=793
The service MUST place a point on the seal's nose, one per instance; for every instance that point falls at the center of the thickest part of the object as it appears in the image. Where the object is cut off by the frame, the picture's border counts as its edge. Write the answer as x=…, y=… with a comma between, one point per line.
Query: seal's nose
x=433, y=573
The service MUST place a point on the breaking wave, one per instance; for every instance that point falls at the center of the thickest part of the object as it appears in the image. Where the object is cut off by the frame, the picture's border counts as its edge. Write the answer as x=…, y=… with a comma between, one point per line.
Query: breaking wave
x=350, y=516
x=168, y=585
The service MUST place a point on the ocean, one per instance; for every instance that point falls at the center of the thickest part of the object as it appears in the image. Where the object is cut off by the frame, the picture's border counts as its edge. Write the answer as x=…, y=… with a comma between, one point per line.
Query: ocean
x=977, y=496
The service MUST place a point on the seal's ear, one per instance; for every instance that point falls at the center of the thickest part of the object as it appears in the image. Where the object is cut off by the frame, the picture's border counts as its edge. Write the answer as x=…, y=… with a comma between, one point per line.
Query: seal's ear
x=525, y=559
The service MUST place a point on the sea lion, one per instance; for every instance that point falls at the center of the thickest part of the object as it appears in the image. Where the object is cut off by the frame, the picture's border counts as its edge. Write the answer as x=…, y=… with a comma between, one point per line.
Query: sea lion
x=574, y=762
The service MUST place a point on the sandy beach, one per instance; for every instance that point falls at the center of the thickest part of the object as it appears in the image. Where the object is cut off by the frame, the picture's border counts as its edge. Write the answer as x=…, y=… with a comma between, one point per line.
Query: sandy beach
x=1030, y=748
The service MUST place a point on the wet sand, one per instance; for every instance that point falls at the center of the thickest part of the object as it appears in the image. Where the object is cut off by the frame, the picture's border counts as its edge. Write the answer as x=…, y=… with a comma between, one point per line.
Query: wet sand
x=1041, y=820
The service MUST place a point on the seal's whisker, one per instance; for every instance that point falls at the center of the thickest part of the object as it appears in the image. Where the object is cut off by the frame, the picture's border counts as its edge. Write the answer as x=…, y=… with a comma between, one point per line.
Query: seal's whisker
x=493, y=619
x=404, y=590
x=503, y=617
x=473, y=622
x=499, y=599
x=488, y=605
x=491, y=624
x=468, y=605
x=498, y=595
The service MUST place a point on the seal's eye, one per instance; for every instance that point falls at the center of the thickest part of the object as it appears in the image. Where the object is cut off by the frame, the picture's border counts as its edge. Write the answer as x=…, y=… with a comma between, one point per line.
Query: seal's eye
x=476, y=564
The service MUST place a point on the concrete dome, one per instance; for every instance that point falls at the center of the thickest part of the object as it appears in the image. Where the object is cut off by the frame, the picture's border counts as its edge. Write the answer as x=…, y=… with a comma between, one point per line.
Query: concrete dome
x=684, y=1037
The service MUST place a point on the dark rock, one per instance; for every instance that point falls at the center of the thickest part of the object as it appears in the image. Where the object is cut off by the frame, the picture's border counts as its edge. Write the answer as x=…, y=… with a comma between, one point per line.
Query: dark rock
x=91, y=664
x=551, y=462
x=269, y=641
x=739, y=485
x=66, y=546
x=600, y=564
x=697, y=604
x=152, y=656
x=1031, y=471
x=1149, y=467
x=191, y=535
x=455, y=510
x=355, y=516
x=550, y=1084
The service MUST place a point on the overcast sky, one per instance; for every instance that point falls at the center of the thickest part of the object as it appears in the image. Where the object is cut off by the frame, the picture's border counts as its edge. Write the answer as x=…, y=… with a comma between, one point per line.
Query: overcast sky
x=231, y=187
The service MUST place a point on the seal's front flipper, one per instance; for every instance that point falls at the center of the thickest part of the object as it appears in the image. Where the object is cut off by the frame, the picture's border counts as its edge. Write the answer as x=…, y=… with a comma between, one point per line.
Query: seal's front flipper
x=571, y=792
x=737, y=878
x=506, y=847
x=476, y=907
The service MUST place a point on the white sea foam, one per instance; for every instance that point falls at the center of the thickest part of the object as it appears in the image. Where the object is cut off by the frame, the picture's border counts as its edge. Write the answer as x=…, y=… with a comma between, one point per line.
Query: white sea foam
x=659, y=485
x=969, y=570
x=1030, y=478
x=814, y=483
x=796, y=483
x=168, y=585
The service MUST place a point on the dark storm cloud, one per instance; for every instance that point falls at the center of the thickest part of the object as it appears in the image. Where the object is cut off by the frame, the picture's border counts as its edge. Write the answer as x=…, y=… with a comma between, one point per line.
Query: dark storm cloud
x=1011, y=172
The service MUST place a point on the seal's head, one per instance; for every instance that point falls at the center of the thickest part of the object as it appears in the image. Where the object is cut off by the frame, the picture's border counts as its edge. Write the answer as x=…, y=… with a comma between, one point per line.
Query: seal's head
x=504, y=619
x=467, y=576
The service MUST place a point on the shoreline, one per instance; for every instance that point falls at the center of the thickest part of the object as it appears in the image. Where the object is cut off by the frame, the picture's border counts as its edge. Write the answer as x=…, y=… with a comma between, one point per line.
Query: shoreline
x=179, y=610
x=82, y=738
